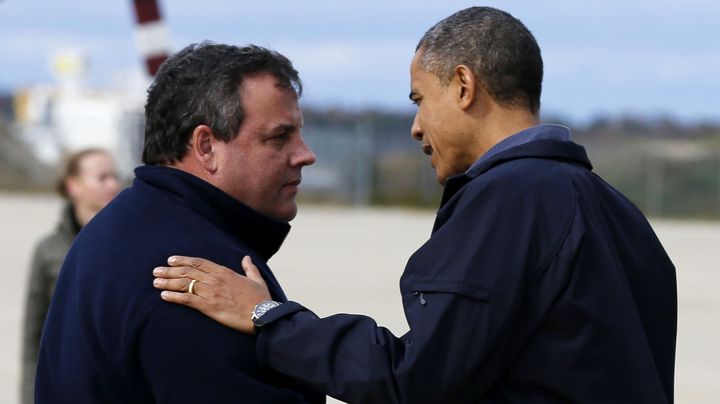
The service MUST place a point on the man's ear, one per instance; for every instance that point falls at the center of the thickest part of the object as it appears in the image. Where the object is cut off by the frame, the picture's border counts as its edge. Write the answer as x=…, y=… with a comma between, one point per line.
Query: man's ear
x=202, y=147
x=465, y=84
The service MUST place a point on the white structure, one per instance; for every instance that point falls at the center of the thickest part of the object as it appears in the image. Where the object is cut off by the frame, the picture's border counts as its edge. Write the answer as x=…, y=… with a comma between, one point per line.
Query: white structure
x=68, y=116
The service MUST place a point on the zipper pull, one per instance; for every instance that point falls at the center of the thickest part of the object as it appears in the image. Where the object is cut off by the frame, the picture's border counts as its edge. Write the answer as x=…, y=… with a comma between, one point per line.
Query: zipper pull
x=422, y=298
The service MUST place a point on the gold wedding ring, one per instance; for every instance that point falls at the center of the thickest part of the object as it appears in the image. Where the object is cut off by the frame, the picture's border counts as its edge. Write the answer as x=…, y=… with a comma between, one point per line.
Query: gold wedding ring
x=192, y=285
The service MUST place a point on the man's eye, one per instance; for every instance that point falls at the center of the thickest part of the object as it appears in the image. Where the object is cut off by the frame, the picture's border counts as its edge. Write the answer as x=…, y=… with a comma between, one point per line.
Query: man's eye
x=279, y=138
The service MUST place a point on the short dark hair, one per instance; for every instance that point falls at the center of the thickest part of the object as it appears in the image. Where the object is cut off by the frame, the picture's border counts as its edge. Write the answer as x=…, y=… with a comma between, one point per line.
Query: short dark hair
x=201, y=85
x=500, y=50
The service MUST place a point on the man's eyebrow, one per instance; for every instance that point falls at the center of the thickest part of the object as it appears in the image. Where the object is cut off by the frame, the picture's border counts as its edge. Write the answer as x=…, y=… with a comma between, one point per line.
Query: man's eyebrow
x=284, y=127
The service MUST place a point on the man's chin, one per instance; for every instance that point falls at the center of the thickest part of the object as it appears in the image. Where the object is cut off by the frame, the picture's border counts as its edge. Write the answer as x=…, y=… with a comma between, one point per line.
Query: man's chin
x=286, y=213
x=441, y=177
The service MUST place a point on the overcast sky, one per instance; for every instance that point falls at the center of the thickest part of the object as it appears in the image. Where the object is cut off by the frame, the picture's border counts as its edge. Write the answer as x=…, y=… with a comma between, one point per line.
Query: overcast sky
x=648, y=57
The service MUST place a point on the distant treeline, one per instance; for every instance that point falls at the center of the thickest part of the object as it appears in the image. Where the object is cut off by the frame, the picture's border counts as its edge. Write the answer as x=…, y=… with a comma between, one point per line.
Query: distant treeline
x=667, y=168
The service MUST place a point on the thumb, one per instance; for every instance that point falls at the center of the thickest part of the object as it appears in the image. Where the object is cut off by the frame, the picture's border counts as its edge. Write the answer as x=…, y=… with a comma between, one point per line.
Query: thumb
x=251, y=271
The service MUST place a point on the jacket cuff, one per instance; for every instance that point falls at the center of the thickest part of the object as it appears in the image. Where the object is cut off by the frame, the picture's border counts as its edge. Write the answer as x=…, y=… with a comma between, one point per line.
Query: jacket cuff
x=261, y=345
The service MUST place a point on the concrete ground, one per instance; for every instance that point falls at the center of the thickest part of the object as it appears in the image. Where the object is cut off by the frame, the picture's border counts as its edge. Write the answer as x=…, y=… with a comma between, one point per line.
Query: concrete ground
x=357, y=271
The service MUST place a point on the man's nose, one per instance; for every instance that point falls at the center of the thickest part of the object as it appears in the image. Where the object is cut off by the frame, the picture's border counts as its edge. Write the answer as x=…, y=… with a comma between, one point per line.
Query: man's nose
x=304, y=156
x=416, y=131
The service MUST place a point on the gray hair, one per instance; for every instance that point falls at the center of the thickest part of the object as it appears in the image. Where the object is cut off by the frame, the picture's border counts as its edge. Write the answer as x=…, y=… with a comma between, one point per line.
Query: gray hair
x=500, y=50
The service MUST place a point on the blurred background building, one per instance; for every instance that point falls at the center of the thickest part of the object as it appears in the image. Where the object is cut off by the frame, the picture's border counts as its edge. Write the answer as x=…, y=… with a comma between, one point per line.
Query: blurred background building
x=70, y=115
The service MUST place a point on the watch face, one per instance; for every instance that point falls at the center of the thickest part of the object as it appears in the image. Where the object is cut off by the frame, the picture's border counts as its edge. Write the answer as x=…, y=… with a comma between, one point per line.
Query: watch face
x=263, y=307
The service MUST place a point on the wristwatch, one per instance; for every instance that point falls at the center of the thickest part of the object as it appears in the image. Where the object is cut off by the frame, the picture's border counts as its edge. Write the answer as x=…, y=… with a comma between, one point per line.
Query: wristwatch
x=263, y=308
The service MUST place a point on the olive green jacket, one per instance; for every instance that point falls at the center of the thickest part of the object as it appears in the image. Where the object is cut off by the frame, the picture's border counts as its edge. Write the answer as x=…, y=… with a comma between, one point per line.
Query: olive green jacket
x=46, y=262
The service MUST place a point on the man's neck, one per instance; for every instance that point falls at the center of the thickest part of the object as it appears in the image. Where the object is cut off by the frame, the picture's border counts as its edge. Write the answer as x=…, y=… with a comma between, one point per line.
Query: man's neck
x=505, y=123
x=190, y=166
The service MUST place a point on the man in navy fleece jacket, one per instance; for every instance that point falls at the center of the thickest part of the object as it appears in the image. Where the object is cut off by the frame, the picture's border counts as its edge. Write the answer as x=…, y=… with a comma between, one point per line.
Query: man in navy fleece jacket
x=223, y=153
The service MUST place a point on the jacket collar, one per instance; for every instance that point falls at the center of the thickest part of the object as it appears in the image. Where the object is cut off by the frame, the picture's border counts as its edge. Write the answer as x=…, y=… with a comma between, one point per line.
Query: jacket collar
x=261, y=233
x=542, y=141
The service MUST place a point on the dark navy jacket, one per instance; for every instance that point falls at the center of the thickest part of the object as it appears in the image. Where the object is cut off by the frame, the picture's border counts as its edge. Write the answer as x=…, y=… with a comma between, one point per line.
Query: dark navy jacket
x=540, y=284
x=109, y=338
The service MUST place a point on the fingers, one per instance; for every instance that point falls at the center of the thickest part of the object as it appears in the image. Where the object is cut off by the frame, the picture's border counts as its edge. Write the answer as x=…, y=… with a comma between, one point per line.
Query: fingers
x=219, y=293
x=176, y=285
x=185, y=299
x=251, y=271
x=200, y=264
x=181, y=272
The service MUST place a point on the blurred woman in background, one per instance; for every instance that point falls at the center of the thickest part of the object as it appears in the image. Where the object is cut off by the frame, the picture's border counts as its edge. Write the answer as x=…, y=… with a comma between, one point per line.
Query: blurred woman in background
x=89, y=182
